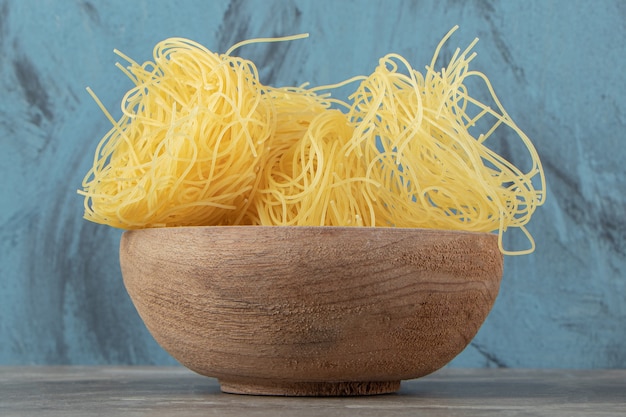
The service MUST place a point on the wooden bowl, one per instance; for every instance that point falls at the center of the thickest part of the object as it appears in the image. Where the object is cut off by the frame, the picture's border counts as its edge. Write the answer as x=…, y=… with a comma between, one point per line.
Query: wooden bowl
x=311, y=310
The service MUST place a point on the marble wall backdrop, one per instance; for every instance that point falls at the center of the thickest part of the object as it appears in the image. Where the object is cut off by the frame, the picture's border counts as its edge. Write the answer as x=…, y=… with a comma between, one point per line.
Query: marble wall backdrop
x=558, y=67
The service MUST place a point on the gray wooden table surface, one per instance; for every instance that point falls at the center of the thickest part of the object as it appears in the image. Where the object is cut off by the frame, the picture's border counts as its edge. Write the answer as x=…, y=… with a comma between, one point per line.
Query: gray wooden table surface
x=174, y=391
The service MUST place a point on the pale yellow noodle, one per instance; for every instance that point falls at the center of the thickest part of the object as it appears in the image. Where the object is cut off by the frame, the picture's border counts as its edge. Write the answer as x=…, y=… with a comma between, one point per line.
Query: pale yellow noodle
x=195, y=126
x=413, y=132
x=202, y=142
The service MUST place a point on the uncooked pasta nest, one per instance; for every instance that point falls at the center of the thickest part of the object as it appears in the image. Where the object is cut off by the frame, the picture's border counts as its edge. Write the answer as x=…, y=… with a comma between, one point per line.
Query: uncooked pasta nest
x=202, y=142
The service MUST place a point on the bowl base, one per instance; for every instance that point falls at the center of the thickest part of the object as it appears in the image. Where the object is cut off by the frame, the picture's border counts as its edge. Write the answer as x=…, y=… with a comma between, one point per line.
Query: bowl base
x=309, y=389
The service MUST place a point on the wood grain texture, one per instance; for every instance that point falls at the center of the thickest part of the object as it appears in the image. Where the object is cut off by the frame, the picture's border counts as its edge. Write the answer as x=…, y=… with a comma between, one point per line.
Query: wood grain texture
x=283, y=309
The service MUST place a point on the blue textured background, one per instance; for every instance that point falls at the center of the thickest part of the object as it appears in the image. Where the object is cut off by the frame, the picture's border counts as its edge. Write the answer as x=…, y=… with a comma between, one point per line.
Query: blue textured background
x=558, y=67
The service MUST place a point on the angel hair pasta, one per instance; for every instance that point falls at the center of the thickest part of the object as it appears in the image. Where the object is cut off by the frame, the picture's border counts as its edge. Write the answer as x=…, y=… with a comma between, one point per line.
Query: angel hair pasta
x=413, y=133
x=189, y=145
x=203, y=142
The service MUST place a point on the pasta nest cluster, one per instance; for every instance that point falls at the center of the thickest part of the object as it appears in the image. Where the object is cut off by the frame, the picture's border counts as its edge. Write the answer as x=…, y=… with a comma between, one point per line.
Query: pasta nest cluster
x=201, y=141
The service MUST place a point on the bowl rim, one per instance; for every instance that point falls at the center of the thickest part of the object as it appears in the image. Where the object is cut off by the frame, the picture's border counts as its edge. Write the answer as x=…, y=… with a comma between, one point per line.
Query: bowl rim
x=305, y=228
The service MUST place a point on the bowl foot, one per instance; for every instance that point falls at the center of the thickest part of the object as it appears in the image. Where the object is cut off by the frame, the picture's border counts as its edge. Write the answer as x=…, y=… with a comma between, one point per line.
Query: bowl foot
x=309, y=389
